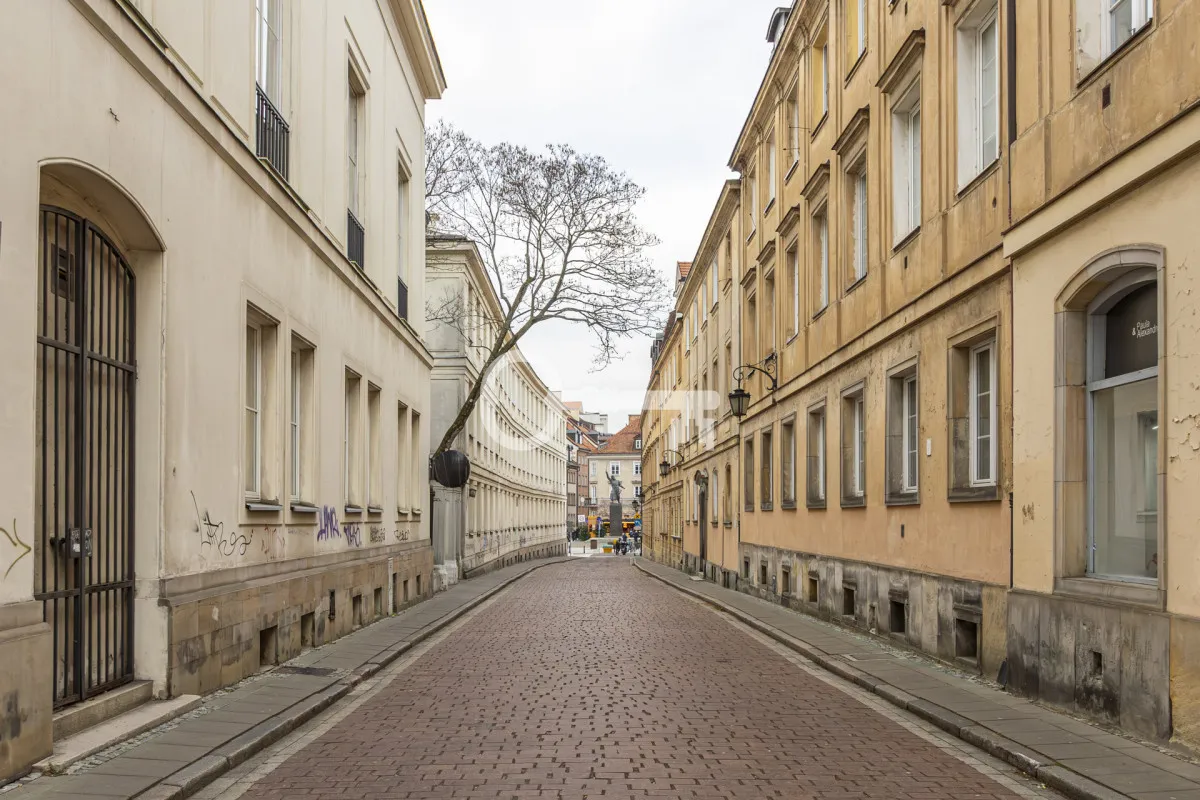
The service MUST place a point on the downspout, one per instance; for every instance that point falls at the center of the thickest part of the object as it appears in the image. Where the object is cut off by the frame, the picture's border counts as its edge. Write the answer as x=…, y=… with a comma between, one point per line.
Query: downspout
x=1011, y=58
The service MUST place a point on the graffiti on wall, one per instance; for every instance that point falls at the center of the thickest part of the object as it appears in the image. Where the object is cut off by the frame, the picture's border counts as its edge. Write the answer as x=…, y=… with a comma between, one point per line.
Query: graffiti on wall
x=15, y=540
x=214, y=535
x=327, y=528
x=353, y=533
x=401, y=535
x=377, y=534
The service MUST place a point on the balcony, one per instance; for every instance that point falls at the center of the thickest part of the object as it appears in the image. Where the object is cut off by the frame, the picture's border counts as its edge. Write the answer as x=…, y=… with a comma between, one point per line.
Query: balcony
x=356, y=240
x=401, y=298
x=272, y=134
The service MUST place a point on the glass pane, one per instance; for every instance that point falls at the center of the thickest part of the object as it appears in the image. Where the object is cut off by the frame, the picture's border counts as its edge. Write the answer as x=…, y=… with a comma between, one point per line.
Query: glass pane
x=1121, y=21
x=1125, y=480
x=989, y=88
x=914, y=143
x=250, y=467
x=251, y=367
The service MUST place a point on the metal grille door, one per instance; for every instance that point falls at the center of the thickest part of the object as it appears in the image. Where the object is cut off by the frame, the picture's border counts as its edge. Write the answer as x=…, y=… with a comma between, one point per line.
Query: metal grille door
x=83, y=570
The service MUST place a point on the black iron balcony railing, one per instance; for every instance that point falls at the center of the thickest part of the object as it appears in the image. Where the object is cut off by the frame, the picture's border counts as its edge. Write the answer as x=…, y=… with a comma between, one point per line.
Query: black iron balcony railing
x=273, y=134
x=401, y=298
x=356, y=240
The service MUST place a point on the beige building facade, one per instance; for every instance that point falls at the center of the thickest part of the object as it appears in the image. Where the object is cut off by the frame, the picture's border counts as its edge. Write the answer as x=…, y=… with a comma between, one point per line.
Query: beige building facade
x=1104, y=617
x=514, y=505
x=212, y=373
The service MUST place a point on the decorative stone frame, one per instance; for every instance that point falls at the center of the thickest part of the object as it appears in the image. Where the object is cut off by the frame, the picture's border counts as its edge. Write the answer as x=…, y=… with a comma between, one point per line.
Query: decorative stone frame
x=895, y=493
x=958, y=404
x=1129, y=265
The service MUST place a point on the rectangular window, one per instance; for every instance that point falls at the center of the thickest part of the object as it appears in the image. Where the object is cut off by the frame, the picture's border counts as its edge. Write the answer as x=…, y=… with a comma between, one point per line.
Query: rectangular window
x=819, y=70
x=416, y=459
x=402, y=275
x=772, y=176
x=854, y=424
x=821, y=257
x=787, y=463
x=793, y=115
x=858, y=221
x=351, y=437
x=269, y=48
x=253, y=445
x=768, y=479
x=637, y=468
x=903, y=430
x=1102, y=26
x=354, y=103
x=614, y=468
x=978, y=40
x=856, y=29
x=713, y=277
x=910, y=438
x=748, y=468
x=403, y=451
x=983, y=415
x=793, y=268
x=374, y=459
x=906, y=163
x=816, y=457
x=751, y=204
x=301, y=420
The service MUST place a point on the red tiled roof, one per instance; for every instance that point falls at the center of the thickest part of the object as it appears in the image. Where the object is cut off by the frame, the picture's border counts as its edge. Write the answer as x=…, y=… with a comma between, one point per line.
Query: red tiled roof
x=622, y=441
x=684, y=268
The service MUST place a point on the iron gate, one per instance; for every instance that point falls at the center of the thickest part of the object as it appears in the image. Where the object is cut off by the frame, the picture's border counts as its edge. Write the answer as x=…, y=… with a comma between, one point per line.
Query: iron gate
x=83, y=570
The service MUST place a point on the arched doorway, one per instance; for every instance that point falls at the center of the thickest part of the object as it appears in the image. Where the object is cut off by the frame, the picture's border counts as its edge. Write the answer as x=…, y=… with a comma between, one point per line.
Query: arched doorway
x=86, y=375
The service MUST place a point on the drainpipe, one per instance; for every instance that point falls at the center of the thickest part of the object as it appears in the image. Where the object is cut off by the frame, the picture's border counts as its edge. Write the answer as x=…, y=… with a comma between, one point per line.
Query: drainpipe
x=1011, y=58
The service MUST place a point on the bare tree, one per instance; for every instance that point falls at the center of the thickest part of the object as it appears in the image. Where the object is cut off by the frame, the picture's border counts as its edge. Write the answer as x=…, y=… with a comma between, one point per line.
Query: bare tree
x=558, y=238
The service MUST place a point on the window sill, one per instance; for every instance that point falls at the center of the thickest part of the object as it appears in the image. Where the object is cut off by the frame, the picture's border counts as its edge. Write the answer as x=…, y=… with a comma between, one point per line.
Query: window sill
x=973, y=494
x=855, y=502
x=858, y=60
x=749, y=509
x=857, y=283
x=820, y=124
x=299, y=507
x=788, y=505
x=979, y=178
x=768, y=506
x=375, y=510
x=768, y=207
x=791, y=171
x=906, y=240
x=728, y=523
x=1146, y=596
x=263, y=506
x=820, y=312
x=902, y=499
x=816, y=505
x=351, y=509
x=750, y=236
x=1103, y=65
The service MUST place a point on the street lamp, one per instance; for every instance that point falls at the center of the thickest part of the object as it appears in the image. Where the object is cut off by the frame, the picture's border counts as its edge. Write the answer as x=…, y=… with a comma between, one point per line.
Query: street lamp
x=739, y=398
x=664, y=466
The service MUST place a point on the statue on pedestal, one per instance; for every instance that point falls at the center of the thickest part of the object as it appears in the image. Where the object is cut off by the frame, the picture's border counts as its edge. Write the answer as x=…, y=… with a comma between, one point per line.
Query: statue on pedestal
x=615, y=495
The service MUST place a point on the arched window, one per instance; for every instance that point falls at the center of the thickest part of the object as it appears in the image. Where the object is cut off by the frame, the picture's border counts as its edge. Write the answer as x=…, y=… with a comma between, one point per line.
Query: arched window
x=1122, y=397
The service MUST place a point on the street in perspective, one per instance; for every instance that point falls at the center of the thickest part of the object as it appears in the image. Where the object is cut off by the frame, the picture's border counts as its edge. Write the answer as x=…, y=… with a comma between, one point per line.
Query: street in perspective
x=539, y=399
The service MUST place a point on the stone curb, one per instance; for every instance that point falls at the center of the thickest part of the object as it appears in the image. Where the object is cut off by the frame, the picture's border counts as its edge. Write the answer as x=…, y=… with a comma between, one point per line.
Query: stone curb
x=1055, y=776
x=195, y=776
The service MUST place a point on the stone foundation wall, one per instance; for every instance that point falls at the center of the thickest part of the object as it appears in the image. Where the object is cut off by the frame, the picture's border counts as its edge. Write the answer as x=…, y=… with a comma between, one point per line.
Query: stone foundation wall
x=516, y=556
x=26, y=713
x=220, y=636
x=963, y=622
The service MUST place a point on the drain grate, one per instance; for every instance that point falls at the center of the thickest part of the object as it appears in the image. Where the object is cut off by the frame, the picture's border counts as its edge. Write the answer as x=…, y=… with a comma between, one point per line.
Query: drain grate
x=319, y=672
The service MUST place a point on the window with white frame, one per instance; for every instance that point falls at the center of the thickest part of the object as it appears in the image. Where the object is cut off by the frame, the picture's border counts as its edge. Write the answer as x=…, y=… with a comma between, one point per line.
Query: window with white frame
x=374, y=448
x=748, y=472
x=858, y=220
x=751, y=204
x=903, y=430
x=906, y=162
x=819, y=90
x=402, y=275
x=816, y=456
x=263, y=427
x=269, y=48
x=793, y=116
x=978, y=39
x=254, y=407
x=351, y=443
x=855, y=13
x=354, y=169
x=787, y=463
x=403, y=465
x=300, y=420
x=793, y=268
x=1102, y=26
x=909, y=444
x=614, y=468
x=820, y=224
x=637, y=468
x=982, y=413
x=854, y=443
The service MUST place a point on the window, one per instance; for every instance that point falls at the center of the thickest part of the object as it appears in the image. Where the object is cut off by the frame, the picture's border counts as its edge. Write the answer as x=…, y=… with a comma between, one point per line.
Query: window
x=978, y=91
x=858, y=220
x=727, y=513
x=713, y=276
x=816, y=456
x=772, y=176
x=906, y=163
x=903, y=431
x=714, y=494
x=770, y=323
x=253, y=444
x=1102, y=26
x=614, y=468
x=854, y=444
x=269, y=49
x=300, y=420
x=751, y=204
x=787, y=463
x=793, y=115
x=793, y=268
x=354, y=104
x=983, y=415
x=402, y=275
x=637, y=443
x=352, y=468
x=768, y=479
x=637, y=468
x=819, y=59
x=821, y=256
x=856, y=30
x=418, y=455
x=748, y=464
x=403, y=465
x=974, y=442
x=703, y=303
x=262, y=444
x=374, y=452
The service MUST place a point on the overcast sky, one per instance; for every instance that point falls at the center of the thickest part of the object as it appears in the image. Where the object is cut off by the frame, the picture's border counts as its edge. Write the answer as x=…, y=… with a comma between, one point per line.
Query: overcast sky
x=660, y=88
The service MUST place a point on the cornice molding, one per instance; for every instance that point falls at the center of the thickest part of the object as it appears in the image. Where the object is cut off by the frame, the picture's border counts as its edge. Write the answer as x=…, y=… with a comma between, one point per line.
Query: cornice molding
x=855, y=128
x=817, y=182
x=909, y=54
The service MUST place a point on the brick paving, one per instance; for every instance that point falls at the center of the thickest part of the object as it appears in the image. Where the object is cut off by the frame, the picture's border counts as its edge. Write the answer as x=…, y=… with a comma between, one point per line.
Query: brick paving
x=591, y=680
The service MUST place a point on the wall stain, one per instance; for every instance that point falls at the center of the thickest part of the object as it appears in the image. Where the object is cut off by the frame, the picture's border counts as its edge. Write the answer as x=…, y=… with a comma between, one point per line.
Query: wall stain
x=1027, y=512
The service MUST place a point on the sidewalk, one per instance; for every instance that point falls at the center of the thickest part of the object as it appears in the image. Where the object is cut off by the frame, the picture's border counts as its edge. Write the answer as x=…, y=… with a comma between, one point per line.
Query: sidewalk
x=231, y=726
x=1075, y=758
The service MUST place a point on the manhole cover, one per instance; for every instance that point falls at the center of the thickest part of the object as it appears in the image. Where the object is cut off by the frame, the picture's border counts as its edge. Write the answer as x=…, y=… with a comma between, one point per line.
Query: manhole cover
x=319, y=672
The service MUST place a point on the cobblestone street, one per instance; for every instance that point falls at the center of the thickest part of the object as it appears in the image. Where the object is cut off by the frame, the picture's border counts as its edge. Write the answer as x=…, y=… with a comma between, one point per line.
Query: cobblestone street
x=589, y=680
